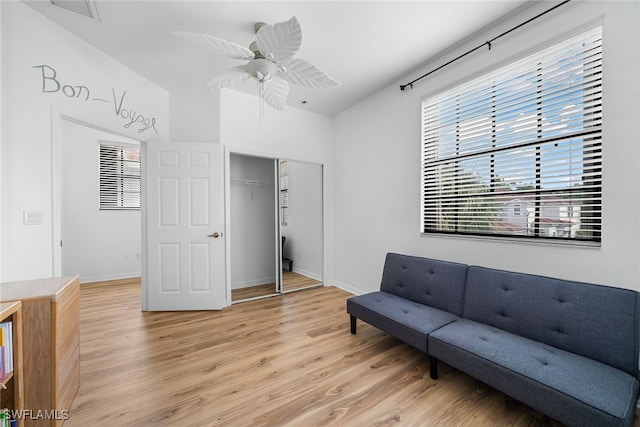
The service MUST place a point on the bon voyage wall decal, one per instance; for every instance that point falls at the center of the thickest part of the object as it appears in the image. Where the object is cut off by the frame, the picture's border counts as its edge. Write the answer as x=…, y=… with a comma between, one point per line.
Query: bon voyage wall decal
x=51, y=84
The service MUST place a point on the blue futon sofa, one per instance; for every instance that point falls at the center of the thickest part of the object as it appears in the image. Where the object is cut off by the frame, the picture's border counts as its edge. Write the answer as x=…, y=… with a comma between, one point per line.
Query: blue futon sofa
x=567, y=349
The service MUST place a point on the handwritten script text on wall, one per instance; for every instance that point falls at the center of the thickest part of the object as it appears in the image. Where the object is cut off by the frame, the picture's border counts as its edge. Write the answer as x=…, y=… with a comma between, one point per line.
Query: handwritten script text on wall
x=51, y=84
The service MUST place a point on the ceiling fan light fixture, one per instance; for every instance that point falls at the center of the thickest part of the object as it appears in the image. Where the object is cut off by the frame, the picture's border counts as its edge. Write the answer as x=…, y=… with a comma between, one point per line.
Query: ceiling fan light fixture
x=261, y=69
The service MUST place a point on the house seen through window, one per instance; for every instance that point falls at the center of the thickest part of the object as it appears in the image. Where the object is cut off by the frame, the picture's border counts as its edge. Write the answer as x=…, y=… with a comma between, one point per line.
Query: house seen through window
x=517, y=152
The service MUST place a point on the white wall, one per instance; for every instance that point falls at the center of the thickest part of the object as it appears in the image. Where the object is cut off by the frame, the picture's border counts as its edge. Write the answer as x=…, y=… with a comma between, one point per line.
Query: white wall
x=30, y=124
x=304, y=227
x=253, y=227
x=290, y=134
x=97, y=244
x=2, y=130
x=377, y=171
x=195, y=117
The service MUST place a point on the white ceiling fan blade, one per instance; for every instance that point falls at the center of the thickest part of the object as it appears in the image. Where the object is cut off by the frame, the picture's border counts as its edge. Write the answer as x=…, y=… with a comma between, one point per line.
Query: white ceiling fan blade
x=276, y=92
x=230, y=77
x=302, y=73
x=281, y=41
x=219, y=46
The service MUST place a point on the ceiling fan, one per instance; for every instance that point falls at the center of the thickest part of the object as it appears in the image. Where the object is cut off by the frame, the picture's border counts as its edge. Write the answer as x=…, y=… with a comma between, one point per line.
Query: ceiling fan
x=271, y=61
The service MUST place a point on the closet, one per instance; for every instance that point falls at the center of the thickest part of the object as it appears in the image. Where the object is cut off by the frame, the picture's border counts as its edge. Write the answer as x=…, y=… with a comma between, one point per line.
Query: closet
x=275, y=226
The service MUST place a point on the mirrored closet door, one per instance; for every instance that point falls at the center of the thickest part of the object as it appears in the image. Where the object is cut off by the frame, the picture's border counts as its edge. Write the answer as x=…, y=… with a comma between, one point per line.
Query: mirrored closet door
x=301, y=224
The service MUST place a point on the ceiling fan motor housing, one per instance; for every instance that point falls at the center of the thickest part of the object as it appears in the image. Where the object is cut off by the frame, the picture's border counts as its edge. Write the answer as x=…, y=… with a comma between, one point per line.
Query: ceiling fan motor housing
x=253, y=47
x=258, y=25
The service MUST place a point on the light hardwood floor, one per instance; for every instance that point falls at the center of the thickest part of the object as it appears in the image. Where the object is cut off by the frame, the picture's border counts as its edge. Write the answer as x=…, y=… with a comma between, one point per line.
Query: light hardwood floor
x=283, y=361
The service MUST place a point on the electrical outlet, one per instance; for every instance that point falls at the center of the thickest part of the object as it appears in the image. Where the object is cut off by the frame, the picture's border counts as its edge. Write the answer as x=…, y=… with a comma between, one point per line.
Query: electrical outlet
x=32, y=217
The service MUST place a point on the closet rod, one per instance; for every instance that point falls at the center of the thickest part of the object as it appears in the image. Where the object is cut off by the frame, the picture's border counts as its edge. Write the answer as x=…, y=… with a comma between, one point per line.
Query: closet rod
x=250, y=182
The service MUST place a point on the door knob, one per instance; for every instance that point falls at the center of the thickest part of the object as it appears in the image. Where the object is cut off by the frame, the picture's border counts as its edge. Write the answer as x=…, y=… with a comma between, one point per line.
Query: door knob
x=215, y=235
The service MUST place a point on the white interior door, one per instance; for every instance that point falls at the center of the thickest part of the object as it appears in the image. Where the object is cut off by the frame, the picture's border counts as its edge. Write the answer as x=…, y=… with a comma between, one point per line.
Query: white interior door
x=185, y=251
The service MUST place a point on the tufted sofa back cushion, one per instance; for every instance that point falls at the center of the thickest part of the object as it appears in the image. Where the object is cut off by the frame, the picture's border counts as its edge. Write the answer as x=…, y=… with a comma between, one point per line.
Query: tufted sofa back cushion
x=598, y=322
x=431, y=282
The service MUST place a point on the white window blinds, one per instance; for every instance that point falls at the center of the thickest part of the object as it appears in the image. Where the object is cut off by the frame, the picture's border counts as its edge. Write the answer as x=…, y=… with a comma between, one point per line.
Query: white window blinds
x=120, y=176
x=284, y=192
x=518, y=152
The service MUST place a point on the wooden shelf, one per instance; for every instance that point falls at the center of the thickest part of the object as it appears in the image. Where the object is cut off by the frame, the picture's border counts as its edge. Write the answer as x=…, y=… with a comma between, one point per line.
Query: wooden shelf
x=7, y=378
x=51, y=343
x=12, y=397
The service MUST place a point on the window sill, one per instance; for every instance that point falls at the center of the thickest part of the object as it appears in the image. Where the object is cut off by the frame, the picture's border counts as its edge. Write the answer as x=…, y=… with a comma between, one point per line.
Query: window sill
x=517, y=240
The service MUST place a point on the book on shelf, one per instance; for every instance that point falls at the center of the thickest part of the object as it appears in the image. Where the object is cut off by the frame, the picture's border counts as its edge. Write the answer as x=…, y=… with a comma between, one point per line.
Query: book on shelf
x=6, y=420
x=6, y=344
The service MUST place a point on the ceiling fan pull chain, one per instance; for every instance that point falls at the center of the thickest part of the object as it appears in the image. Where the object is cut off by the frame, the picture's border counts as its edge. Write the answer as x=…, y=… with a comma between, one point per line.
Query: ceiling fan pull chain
x=261, y=92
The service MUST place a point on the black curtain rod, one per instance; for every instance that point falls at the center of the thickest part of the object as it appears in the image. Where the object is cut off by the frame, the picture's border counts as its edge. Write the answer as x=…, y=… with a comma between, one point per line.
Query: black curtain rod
x=487, y=43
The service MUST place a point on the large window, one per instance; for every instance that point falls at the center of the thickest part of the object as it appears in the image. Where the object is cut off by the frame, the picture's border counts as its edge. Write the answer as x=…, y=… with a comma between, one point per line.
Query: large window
x=517, y=153
x=119, y=176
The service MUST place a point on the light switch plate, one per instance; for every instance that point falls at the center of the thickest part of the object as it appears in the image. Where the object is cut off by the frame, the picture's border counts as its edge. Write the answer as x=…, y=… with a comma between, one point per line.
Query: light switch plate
x=32, y=217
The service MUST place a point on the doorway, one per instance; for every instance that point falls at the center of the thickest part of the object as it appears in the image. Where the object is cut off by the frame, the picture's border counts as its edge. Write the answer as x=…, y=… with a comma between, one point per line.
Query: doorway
x=276, y=226
x=99, y=209
x=253, y=211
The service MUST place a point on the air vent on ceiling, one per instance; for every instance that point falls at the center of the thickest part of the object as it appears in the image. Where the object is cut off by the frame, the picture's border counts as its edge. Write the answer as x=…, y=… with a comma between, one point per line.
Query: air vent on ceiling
x=86, y=8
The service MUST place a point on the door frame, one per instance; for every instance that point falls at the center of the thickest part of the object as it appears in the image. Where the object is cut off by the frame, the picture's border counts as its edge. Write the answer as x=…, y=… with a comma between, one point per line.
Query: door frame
x=231, y=149
x=57, y=147
x=228, y=223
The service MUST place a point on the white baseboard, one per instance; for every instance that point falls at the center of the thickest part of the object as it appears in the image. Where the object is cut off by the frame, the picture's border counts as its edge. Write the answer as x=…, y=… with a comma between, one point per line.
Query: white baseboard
x=255, y=282
x=307, y=273
x=348, y=288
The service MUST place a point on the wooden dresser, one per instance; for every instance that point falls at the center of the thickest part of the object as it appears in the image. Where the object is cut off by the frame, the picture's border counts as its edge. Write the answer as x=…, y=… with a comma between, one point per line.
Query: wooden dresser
x=51, y=344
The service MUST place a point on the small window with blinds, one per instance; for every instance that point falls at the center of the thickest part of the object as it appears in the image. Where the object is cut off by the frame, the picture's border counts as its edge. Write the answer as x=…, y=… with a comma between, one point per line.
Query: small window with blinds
x=284, y=192
x=518, y=152
x=120, y=168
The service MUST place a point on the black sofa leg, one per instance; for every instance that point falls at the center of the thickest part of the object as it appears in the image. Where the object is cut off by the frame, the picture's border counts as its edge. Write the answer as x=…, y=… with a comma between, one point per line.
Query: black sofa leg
x=353, y=325
x=433, y=368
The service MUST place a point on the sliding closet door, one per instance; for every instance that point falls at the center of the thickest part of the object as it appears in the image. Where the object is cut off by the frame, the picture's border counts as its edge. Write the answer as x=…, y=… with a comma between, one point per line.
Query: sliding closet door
x=253, y=231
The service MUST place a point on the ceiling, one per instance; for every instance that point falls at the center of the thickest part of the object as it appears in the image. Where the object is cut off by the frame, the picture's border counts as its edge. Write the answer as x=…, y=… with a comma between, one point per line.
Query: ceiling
x=366, y=45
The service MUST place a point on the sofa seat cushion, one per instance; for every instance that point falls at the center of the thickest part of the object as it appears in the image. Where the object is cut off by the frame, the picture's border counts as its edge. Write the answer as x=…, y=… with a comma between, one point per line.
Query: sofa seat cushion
x=571, y=388
x=407, y=320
